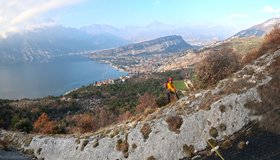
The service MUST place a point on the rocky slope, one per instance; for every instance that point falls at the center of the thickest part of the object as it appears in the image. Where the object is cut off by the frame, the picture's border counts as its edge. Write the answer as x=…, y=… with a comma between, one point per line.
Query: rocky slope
x=180, y=130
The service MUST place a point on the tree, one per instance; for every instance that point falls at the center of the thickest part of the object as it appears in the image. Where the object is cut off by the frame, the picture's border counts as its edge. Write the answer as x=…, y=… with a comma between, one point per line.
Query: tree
x=44, y=125
x=24, y=125
x=85, y=123
x=146, y=101
x=216, y=66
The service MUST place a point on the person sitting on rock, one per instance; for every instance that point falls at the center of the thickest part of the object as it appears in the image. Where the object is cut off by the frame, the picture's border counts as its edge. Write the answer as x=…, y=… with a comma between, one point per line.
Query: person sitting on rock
x=171, y=90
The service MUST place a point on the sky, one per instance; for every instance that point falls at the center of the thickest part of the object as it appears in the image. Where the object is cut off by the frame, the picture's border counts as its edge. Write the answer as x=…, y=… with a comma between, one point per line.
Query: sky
x=19, y=15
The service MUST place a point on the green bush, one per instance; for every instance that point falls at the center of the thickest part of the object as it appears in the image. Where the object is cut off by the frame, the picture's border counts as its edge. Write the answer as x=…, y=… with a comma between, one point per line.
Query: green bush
x=24, y=125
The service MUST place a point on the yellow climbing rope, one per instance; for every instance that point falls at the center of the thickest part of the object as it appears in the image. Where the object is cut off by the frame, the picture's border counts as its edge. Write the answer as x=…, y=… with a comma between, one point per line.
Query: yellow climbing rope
x=209, y=143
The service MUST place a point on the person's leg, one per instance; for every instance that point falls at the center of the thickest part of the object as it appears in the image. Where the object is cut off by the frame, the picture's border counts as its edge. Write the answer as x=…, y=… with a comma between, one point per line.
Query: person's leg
x=176, y=95
x=168, y=96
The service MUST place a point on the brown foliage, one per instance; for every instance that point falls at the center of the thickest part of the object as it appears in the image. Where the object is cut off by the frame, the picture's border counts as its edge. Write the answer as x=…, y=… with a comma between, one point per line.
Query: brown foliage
x=174, y=123
x=270, y=43
x=44, y=125
x=125, y=116
x=216, y=66
x=146, y=101
x=84, y=123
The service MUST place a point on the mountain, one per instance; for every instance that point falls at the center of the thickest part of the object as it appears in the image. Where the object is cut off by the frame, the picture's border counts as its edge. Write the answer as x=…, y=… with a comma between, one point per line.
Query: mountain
x=193, y=34
x=143, y=56
x=259, y=29
x=218, y=119
x=162, y=45
x=40, y=45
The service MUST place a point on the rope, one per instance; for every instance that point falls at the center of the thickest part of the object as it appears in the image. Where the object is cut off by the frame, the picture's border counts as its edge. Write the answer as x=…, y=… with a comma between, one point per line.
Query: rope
x=209, y=143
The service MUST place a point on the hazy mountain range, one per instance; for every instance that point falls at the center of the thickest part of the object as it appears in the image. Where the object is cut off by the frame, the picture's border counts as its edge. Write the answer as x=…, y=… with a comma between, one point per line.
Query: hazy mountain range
x=193, y=34
x=40, y=45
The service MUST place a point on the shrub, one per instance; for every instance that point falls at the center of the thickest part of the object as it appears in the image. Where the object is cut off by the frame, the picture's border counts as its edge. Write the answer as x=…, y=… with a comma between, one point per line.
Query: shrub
x=146, y=101
x=44, y=125
x=151, y=158
x=123, y=146
x=125, y=116
x=213, y=132
x=85, y=123
x=24, y=125
x=146, y=130
x=270, y=43
x=174, y=123
x=188, y=150
x=215, y=66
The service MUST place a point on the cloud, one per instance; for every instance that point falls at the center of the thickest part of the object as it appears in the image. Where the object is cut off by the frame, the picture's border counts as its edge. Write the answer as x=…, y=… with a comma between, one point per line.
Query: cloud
x=237, y=16
x=269, y=9
x=16, y=15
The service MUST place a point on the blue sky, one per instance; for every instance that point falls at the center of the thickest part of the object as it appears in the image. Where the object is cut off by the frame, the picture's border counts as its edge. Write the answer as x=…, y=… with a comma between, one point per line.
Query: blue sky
x=175, y=12
x=76, y=13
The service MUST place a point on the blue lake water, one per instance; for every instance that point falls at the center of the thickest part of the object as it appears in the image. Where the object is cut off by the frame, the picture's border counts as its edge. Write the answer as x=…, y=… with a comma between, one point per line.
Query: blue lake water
x=19, y=81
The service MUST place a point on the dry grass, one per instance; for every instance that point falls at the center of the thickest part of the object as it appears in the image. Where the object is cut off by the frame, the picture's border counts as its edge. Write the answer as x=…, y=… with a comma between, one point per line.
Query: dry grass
x=174, y=123
x=123, y=146
x=222, y=108
x=146, y=130
x=188, y=150
x=270, y=43
x=222, y=127
x=134, y=146
x=151, y=158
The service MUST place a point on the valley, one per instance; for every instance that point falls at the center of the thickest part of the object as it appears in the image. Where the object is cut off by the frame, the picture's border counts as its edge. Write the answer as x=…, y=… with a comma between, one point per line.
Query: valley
x=230, y=108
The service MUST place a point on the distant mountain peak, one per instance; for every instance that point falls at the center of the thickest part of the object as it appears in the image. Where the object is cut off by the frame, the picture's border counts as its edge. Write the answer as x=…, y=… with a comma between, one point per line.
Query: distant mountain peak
x=259, y=29
x=271, y=21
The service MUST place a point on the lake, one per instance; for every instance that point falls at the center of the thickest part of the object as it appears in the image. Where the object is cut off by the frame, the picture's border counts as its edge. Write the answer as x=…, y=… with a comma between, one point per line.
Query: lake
x=32, y=80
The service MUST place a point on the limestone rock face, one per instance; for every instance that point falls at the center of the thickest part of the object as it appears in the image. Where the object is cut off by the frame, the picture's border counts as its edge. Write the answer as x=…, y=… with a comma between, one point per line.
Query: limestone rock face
x=196, y=115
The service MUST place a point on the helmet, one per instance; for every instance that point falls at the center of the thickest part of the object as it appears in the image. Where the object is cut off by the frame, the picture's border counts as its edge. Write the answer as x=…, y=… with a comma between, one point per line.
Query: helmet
x=170, y=79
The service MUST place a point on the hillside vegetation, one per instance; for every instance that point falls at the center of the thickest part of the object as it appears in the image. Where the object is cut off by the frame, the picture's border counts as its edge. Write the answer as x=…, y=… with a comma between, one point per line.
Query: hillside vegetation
x=88, y=108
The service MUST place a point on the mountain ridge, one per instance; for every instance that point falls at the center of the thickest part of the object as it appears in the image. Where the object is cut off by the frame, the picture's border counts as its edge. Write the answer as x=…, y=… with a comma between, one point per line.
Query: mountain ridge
x=259, y=29
x=167, y=44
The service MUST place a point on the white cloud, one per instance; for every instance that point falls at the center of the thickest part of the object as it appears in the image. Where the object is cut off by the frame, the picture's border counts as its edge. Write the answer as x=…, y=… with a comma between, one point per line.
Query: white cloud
x=16, y=15
x=237, y=16
x=269, y=9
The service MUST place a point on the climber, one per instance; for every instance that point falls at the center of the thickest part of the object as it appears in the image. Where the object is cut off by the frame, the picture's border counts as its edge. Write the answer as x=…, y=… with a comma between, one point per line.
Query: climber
x=171, y=90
